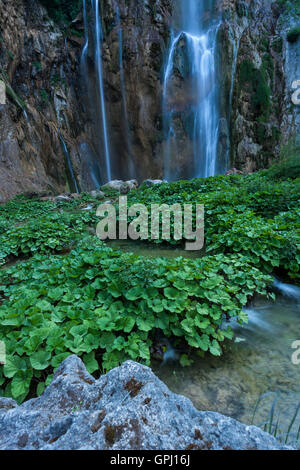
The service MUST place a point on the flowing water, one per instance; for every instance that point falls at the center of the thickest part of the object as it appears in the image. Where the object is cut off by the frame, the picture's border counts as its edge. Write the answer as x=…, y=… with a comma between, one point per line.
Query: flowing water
x=94, y=84
x=190, y=103
x=98, y=60
x=69, y=167
x=258, y=362
x=131, y=172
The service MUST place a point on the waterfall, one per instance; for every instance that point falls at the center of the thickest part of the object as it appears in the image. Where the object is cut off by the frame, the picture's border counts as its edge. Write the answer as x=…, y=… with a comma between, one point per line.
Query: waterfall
x=190, y=98
x=98, y=59
x=70, y=172
x=123, y=92
x=95, y=97
x=86, y=38
x=288, y=290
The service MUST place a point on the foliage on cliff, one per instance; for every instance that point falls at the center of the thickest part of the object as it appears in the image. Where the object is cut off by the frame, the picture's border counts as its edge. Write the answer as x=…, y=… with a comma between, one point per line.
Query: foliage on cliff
x=62, y=11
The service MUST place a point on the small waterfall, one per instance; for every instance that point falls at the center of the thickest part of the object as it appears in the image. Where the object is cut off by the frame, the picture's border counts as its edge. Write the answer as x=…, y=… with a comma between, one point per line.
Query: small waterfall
x=70, y=172
x=192, y=55
x=288, y=290
x=233, y=73
x=98, y=60
x=123, y=92
x=256, y=321
x=86, y=41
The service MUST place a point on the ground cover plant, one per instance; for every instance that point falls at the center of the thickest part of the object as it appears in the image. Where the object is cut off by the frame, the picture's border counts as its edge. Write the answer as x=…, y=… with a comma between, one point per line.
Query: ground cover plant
x=63, y=291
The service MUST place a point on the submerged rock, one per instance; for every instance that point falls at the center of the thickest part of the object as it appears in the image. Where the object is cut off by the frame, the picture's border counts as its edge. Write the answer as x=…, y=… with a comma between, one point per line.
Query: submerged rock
x=128, y=408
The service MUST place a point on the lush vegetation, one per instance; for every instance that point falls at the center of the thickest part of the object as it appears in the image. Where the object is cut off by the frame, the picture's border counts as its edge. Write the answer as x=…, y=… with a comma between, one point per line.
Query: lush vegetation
x=257, y=85
x=290, y=6
x=63, y=291
x=63, y=11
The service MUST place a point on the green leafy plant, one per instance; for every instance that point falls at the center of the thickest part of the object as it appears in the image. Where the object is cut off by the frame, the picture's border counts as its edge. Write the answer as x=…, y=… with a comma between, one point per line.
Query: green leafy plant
x=71, y=293
x=105, y=306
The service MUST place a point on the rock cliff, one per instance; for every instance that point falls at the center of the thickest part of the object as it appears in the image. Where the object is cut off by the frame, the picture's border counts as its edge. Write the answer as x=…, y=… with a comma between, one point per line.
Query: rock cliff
x=40, y=69
x=46, y=91
x=264, y=66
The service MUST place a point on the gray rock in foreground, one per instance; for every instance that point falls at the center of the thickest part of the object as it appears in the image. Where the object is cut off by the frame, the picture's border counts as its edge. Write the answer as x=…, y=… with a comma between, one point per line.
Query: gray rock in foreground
x=128, y=408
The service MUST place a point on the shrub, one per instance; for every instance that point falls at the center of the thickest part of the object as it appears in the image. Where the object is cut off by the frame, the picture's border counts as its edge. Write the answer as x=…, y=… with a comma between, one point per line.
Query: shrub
x=288, y=166
x=293, y=34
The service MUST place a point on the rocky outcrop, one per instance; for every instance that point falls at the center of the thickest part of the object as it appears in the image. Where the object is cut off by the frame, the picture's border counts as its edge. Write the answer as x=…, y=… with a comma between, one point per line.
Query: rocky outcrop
x=290, y=123
x=128, y=408
x=264, y=65
x=39, y=67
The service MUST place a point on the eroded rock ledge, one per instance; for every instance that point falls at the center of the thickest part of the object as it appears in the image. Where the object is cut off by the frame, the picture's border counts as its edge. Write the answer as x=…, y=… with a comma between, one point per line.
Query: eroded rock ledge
x=128, y=408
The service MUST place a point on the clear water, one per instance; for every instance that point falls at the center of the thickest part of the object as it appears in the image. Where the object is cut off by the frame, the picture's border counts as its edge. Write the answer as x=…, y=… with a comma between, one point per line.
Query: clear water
x=153, y=251
x=258, y=362
x=192, y=54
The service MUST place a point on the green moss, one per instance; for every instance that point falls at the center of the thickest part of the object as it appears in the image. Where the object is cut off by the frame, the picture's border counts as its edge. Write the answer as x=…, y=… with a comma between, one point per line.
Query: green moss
x=37, y=65
x=264, y=45
x=62, y=11
x=292, y=7
x=261, y=132
x=277, y=44
x=255, y=81
x=10, y=92
x=275, y=134
x=268, y=65
x=293, y=34
x=44, y=96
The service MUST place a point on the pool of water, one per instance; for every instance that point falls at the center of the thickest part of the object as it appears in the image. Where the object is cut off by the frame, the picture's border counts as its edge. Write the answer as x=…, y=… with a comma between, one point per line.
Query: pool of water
x=151, y=250
x=258, y=362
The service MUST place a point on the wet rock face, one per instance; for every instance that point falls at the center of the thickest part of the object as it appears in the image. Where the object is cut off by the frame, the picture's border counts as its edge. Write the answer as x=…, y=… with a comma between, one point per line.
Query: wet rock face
x=43, y=71
x=37, y=68
x=135, y=133
x=262, y=115
x=128, y=408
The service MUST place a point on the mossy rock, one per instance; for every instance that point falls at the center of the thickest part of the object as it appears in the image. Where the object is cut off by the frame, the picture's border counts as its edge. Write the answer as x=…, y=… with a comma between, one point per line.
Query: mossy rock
x=256, y=82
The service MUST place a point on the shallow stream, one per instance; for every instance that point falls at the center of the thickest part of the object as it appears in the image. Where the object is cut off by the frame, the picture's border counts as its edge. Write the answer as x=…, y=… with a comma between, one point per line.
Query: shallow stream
x=258, y=362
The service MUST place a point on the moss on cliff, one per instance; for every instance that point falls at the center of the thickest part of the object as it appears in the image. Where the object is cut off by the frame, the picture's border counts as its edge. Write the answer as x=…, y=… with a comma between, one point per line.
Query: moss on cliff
x=293, y=34
x=62, y=11
x=255, y=81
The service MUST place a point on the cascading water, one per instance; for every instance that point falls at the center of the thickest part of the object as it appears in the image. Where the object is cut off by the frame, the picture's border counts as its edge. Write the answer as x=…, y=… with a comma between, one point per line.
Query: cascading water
x=98, y=60
x=93, y=41
x=92, y=167
x=190, y=97
x=123, y=92
x=86, y=39
x=69, y=167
